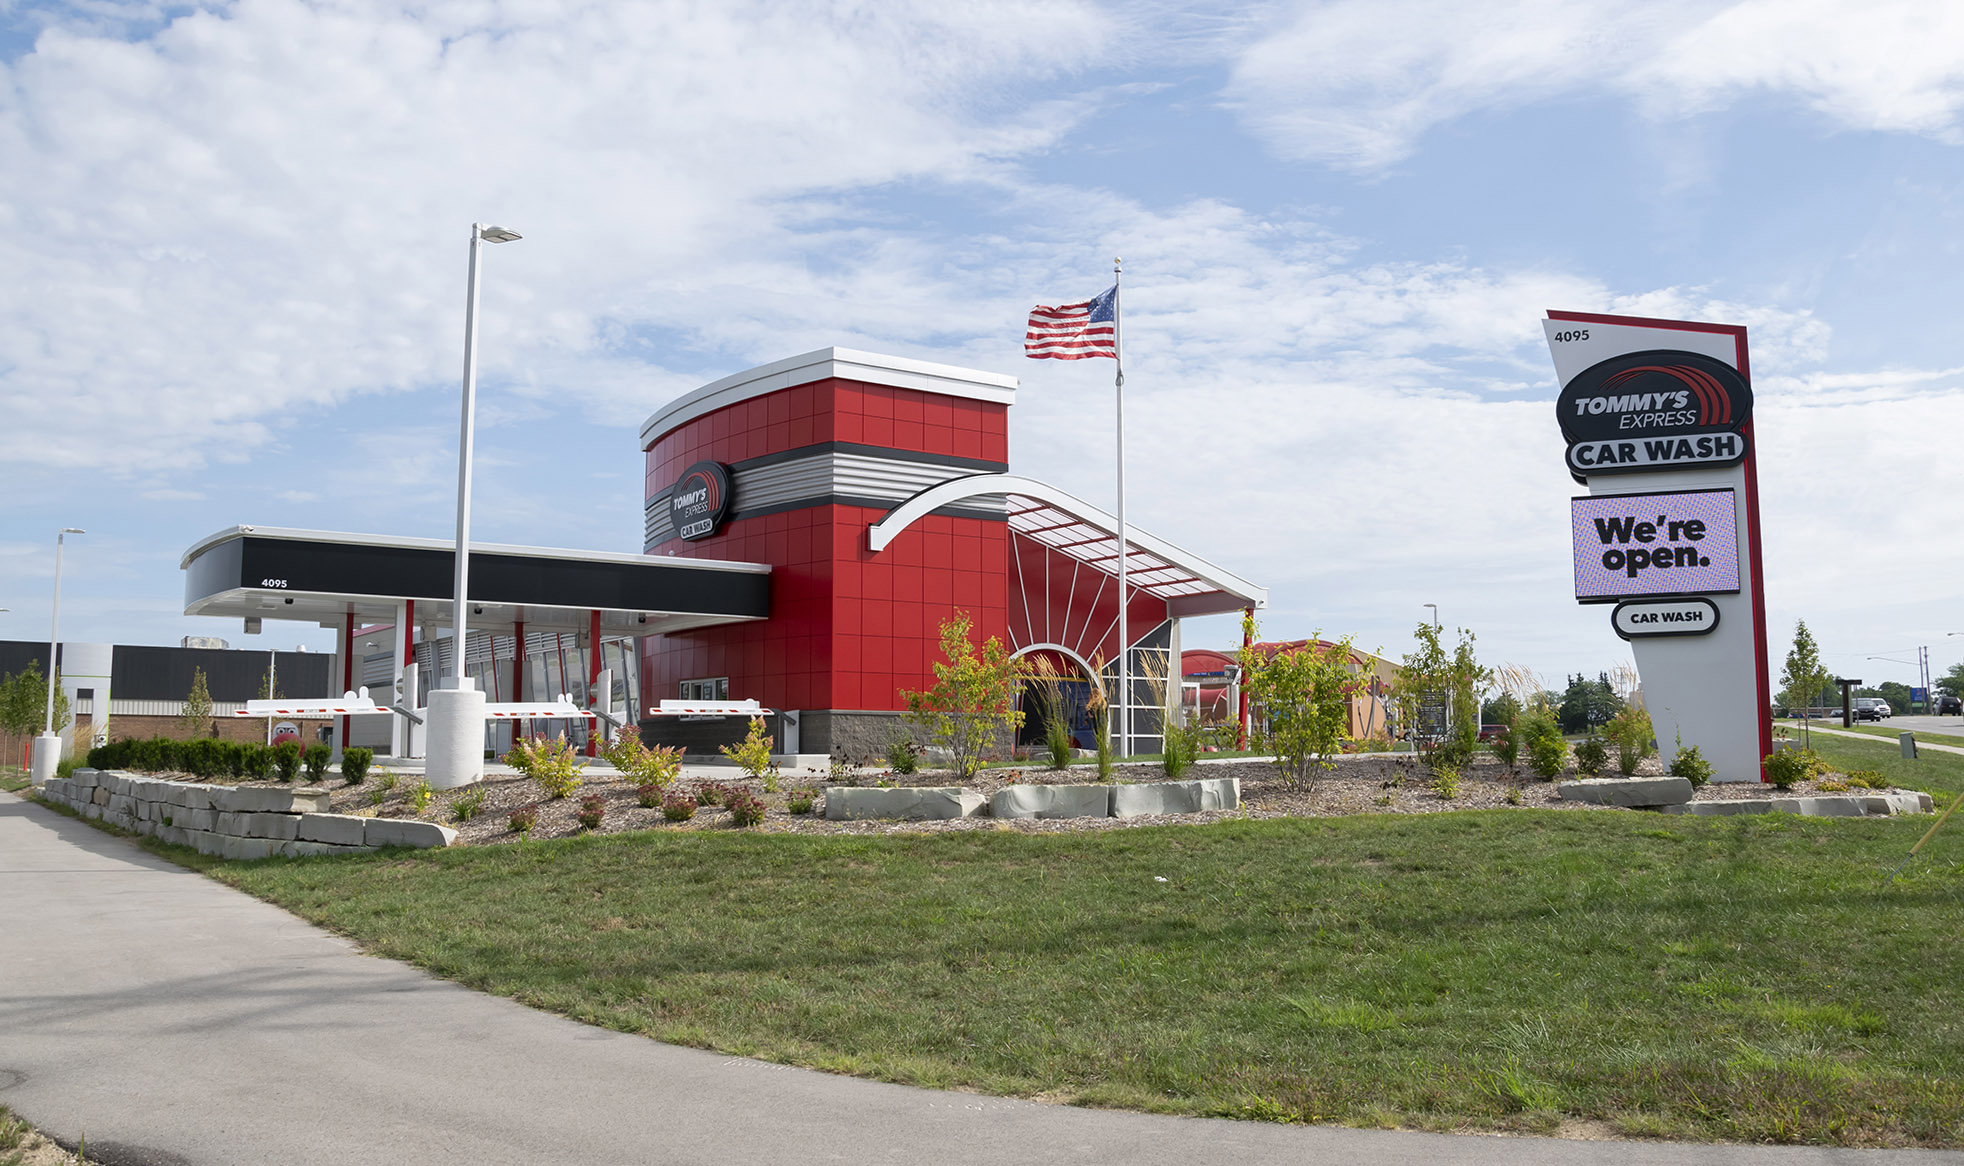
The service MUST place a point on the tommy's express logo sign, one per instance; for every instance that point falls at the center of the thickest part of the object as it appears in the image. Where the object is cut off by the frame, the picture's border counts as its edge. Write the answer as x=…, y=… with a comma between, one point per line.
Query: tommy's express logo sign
x=1654, y=410
x=1655, y=544
x=700, y=500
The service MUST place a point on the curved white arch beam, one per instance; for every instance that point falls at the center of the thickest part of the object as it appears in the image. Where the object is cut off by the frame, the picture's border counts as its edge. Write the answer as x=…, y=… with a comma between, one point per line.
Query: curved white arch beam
x=955, y=490
x=1083, y=664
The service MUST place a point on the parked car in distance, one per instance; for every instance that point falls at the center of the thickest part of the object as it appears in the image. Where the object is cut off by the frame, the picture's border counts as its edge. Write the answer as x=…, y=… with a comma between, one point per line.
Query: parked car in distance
x=1870, y=708
x=1946, y=703
x=1492, y=732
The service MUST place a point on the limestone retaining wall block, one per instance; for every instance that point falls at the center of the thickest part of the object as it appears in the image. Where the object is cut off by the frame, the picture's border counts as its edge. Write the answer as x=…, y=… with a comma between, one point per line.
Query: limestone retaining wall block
x=1176, y=797
x=1052, y=801
x=909, y=804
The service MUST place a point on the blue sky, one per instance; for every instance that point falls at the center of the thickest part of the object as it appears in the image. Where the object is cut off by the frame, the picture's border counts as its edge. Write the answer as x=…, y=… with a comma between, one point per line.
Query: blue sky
x=234, y=238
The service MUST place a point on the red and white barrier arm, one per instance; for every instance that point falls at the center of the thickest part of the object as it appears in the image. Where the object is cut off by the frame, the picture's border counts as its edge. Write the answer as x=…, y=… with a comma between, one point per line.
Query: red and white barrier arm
x=710, y=708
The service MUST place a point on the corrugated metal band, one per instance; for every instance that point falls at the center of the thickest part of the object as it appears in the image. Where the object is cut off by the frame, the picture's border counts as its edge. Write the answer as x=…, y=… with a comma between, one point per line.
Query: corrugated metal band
x=775, y=484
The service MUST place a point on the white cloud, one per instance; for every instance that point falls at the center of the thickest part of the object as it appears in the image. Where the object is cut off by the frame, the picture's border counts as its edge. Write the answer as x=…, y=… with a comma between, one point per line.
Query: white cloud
x=1355, y=83
x=264, y=208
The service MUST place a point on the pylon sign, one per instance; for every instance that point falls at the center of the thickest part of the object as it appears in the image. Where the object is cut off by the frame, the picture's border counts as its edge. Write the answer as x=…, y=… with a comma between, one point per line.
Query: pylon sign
x=1657, y=416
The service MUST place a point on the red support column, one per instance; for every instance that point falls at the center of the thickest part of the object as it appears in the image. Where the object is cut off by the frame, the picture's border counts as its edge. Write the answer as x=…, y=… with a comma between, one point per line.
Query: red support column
x=1241, y=687
x=347, y=672
x=592, y=679
x=407, y=632
x=518, y=678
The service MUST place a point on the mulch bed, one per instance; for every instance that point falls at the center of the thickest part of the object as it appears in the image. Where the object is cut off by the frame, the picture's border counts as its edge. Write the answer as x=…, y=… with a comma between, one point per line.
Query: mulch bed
x=1357, y=785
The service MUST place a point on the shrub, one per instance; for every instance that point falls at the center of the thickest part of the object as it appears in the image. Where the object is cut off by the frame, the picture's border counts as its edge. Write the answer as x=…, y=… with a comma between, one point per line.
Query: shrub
x=255, y=761
x=1047, y=685
x=678, y=807
x=709, y=793
x=468, y=805
x=286, y=761
x=1784, y=767
x=1828, y=786
x=746, y=808
x=903, y=754
x=641, y=765
x=316, y=758
x=523, y=819
x=552, y=763
x=355, y=763
x=844, y=770
x=648, y=794
x=800, y=800
x=1541, y=738
x=593, y=808
x=420, y=796
x=1181, y=746
x=1591, y=755
x=1445, y=782
x=1867, y=779
x=1634, y=738
x=1506, y=746
x=1691, y=765
x=1514, y=795
x=753, y=753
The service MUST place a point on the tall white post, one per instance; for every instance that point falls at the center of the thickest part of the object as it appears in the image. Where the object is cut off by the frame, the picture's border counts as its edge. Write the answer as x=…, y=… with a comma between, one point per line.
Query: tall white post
x=47, y=747
x=456, y=711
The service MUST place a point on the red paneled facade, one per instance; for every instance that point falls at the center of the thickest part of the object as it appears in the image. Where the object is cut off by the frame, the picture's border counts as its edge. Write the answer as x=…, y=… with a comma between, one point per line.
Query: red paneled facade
x=819, y=448
x=849, y=629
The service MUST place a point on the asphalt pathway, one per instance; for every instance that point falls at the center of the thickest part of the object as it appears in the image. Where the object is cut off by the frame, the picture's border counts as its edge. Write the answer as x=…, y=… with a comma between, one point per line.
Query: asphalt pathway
x=177, y=1022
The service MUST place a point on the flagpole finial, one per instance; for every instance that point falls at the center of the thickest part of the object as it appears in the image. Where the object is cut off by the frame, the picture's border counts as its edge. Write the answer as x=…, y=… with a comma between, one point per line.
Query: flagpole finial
x=1116, y=261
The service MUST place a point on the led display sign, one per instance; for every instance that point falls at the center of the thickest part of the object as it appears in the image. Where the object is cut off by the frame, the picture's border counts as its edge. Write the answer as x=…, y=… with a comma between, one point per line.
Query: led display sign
x=1629, y=545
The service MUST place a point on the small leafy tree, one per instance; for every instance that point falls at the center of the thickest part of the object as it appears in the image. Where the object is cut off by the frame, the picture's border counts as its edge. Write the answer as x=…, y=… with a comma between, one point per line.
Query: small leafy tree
x=197, y=706
x=1304, y=697
x=974, y=697
x=1803, y=676
x=1456, y=679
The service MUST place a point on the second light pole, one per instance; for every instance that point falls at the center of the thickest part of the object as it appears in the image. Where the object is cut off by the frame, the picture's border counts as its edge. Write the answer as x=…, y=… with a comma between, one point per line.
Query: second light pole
x=456, y=709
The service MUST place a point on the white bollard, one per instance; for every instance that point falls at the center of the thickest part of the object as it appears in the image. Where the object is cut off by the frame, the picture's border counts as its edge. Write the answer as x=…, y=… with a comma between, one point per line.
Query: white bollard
x=47, y=756
x=454, y=722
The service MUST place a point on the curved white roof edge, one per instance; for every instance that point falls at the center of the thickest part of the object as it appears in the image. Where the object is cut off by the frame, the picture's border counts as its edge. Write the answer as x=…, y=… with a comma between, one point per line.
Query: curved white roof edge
x=846, y=363
x=955, y=490
x=477, y=548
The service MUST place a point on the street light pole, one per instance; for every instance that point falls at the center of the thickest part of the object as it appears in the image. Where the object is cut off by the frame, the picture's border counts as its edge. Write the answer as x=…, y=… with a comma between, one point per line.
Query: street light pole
x=480, y=235
x=1435, y=614
x=454, y=751
x=47, y=749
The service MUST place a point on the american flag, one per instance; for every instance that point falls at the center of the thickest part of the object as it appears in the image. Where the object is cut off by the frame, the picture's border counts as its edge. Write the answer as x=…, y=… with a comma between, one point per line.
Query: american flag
x=1074, y=331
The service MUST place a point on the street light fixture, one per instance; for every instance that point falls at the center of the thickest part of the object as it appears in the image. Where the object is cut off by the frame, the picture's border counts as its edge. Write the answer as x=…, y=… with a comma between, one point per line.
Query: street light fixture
x=47, y=750
x=1435, y=614
x=481, y=233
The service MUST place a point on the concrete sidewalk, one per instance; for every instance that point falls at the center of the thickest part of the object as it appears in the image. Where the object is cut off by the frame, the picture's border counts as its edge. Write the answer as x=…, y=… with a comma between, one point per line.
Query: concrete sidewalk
x=180, y=1023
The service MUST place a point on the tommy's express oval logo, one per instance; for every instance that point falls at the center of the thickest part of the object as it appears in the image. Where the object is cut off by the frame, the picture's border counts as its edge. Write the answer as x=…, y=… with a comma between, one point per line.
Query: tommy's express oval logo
x=1654, y=410
x=700, y=500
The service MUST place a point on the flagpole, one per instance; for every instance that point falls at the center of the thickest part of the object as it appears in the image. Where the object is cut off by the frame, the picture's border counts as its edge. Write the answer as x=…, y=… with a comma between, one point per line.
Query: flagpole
x=1124, y=642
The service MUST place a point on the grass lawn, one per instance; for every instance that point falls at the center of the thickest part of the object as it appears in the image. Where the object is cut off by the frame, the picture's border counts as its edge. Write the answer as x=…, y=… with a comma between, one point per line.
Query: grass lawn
x=1746, y=978
x=1940, y=774
x=1875, y=730
x=13, y=778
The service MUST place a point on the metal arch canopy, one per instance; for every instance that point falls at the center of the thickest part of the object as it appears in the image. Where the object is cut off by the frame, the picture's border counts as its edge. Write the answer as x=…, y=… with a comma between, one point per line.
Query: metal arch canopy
x=1071, y=526
x=260, y=572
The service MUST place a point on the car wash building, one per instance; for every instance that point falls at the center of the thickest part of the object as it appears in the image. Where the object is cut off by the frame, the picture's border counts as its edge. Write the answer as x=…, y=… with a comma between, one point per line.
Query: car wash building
x=809, y=525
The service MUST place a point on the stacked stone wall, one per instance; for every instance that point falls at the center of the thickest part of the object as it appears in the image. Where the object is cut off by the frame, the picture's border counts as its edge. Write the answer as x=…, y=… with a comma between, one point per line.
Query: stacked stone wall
x=234, y=821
